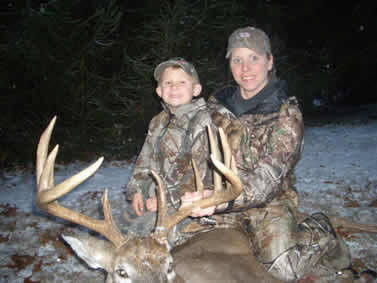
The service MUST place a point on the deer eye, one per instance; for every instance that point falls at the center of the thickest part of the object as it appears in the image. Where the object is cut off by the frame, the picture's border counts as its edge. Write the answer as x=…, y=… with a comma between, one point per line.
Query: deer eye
x=122, y=273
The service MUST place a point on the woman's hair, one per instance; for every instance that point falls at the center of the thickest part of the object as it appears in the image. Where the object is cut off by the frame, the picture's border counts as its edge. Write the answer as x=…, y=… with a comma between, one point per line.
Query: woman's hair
x=271, y=73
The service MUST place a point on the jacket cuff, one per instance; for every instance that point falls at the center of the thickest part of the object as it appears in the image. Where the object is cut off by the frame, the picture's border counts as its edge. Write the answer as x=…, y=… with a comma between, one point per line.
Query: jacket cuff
x=222, y=209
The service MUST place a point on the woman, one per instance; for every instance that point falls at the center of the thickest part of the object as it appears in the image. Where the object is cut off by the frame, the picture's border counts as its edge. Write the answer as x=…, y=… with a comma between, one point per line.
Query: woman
x=265, y=129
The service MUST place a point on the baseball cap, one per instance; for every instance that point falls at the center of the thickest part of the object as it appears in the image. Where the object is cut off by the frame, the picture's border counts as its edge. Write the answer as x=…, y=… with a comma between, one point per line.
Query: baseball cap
x=177, y=61
x=249, y=37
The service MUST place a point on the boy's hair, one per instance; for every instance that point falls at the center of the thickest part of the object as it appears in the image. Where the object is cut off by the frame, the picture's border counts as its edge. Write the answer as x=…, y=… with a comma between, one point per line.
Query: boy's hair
x=178, y=62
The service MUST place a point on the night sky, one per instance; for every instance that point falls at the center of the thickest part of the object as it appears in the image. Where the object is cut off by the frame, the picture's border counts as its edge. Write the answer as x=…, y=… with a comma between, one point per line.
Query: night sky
x=50, y=64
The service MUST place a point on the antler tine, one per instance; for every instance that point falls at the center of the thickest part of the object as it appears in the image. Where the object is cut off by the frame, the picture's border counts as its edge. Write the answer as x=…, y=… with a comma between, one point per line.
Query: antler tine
x=198, y=181
x=217, y=180
x=47, y=193
x=227, y=152
x=161, y=203
x=219, y=195
x=162, y=217
x=43, y=148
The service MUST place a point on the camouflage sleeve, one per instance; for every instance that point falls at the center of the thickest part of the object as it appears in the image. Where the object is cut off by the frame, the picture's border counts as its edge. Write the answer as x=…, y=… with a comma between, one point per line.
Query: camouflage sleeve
x=199, y=153
x=264, y=168
x=141, y=180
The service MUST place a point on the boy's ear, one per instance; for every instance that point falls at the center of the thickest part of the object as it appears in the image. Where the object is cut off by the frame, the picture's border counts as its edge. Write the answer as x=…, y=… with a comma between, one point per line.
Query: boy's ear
x=158, y=91
x=197, y=89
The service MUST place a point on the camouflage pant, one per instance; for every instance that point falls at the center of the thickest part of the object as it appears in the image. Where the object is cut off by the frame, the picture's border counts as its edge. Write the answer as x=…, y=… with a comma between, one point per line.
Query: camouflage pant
x=289, y=250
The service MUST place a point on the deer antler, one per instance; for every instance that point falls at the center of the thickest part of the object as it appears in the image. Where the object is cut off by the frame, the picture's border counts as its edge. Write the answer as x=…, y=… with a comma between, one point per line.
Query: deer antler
x=48, y=193
x=218, y=196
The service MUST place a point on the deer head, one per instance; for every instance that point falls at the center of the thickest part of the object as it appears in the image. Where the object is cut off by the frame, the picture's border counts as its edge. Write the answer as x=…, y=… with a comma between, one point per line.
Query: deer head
x=127, y=259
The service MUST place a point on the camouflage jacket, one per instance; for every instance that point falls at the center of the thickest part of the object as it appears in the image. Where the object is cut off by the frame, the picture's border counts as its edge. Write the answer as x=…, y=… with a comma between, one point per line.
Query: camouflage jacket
x=266, y=137
x=175, y=136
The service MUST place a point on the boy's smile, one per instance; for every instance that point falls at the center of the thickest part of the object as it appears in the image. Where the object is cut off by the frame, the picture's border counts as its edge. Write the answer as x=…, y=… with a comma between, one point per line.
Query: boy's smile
x=177, y=87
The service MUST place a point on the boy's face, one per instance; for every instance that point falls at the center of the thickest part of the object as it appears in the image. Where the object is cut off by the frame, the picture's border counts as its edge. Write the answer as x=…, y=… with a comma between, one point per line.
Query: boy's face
x=176, y=87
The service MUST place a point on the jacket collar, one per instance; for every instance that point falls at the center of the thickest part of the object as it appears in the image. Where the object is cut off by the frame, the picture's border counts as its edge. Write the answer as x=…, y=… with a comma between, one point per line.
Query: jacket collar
x=196, y=103
x=268, y=100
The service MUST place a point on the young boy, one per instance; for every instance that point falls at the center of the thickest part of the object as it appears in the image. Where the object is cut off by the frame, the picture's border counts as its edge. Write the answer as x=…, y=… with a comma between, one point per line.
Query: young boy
x=175, y=136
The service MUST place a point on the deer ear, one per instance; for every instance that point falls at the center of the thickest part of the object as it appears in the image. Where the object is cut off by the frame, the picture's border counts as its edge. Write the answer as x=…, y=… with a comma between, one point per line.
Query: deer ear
x=97, y=253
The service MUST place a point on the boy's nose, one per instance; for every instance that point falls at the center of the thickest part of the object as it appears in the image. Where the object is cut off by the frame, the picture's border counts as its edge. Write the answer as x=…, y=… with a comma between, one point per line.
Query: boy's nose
x=174, y=85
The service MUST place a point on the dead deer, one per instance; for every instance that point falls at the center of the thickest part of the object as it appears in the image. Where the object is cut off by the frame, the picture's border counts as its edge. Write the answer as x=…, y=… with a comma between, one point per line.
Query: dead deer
x=222, y=255
x=218, y=256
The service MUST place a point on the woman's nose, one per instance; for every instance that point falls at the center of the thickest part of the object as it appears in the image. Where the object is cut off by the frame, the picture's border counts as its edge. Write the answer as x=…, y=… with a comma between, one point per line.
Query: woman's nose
x=245, y=66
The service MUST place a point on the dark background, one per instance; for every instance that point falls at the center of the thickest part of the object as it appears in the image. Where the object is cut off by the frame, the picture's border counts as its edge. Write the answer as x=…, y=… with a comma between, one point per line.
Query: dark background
x=91, y=62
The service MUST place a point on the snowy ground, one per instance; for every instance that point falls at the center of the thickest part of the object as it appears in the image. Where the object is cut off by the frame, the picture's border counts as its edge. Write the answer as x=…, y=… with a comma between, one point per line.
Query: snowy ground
x=337, y=174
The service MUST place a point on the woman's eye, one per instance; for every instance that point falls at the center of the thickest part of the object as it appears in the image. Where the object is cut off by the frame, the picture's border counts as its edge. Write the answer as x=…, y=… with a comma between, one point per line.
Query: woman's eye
x=236, y=60
x=254, y=58
x=122, y=273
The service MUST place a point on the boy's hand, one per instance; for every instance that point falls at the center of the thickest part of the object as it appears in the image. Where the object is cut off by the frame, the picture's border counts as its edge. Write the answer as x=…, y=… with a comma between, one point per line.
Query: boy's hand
x=188, y=198
x=138, y=204
x=151, y=204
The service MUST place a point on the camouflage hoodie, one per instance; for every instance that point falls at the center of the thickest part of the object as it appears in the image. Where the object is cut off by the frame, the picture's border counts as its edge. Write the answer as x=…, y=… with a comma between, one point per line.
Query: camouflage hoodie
x=266, y=136
x=175, y=136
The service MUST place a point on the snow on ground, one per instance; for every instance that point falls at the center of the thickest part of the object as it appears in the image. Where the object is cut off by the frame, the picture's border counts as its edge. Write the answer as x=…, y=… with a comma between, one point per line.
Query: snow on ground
x=337, y=174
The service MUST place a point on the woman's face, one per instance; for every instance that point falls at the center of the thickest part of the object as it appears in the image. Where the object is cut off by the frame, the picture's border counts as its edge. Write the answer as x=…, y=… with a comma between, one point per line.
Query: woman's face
x=250, y=70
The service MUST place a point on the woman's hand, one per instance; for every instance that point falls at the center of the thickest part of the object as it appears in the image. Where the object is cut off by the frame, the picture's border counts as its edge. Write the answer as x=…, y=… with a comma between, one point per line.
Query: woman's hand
x=151, y=204
x=188, y=198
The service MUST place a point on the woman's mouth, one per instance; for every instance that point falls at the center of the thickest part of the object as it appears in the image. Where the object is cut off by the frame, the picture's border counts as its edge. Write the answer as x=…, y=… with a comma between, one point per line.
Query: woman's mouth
x=248, y=78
